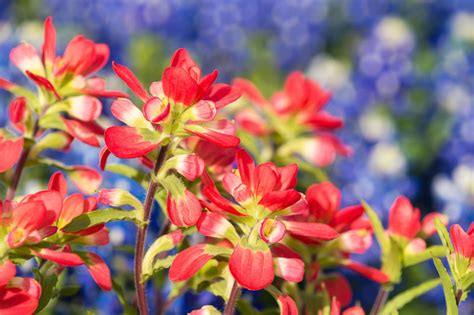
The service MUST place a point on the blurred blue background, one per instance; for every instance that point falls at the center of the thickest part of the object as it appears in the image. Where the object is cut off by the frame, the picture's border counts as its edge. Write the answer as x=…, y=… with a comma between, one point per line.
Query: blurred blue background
x=401, y=73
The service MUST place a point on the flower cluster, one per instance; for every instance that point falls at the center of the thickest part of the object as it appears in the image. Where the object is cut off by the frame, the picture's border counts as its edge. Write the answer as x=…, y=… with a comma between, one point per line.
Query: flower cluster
x=228, y=223
x=296, y=117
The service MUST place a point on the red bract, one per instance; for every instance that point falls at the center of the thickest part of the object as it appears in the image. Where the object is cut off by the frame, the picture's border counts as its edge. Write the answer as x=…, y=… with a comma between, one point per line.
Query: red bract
x=405, y=224
x=11, y=151
x=463, y=245
x=183, y=103
x=324, y=206
x=17, y=295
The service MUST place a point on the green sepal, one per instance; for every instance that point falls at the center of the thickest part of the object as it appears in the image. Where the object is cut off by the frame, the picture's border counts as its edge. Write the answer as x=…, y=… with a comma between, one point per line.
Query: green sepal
x=449, y=296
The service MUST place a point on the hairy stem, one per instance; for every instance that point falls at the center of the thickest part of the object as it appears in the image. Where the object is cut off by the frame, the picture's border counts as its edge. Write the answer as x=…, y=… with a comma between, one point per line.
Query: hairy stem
x=20, y=166
x=141, y=234
x=382, y=296
x=234, y=295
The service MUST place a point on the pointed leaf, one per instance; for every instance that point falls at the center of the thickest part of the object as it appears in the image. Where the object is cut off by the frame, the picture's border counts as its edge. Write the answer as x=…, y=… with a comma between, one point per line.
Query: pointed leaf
x=93, y=218
x=450, y=299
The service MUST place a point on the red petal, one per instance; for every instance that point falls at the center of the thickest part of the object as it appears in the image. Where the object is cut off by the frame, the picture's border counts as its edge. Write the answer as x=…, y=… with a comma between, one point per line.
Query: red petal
x=220, y=132
x=99, y=271
x=179, y=86
x=368, y=272
x=49, y=46
x=265, y=179
x=184, y=210
x=323, y=200
x=234, y=186
x=215, y=197
x=81, y=131
x=86, y=179
x=403, y=219
x=318, y=231
x=17, y=112
x=43, y=83
x=73, y=207
x=215, y=225
x=7, y=272
x=188, y=262
x=428, y=224
x=85, y=108
x=288, y=176
x=338, y=287
x=51, y=199
x=272, y=231
x=190, y=166
x=78, y=56
x=60, y=257
x=222, y=94
x=324, y=120
x=100, y=58
x=124, y=110
x=344, y=217
x=6, y=85
x=246, y=167
x=58, y=183
x=155, y=110
x=290, y=269
x=25, y=58
x=252, y=269
x=287, y=305
x=279, y=200
x=354, y=310
x=11, y=151
x=103, y=156
x=127, y=143
x=22, y=297
x=250, y=91
x=462, y=242
x=130, y=80
x=181, y=58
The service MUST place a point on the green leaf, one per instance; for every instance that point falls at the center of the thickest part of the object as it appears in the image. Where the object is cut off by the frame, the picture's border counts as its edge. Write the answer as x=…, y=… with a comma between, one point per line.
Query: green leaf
x=127, y=171
x=451, y=305
x=467, y=281
x=392, y=262
x=160, y=245
x=173, y=185
x=443, y=235
x=69, y=291
x=379, y=231
x=48, y=291
x=53, y=140
x=100, y=216
x=413, y=259
x=399, y=301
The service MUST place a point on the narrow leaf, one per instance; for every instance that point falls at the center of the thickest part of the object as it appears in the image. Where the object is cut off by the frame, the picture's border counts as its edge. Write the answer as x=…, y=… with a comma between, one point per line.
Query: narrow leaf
x=399, y=301
x=443, y=235
x=100, y=216
x=451, y=305
x=379, y=231
x=413, y=259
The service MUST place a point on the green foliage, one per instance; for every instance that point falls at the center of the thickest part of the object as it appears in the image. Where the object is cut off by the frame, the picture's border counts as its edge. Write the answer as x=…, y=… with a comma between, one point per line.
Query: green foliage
x=100, y=216
x=399, y=301
x=449, y=296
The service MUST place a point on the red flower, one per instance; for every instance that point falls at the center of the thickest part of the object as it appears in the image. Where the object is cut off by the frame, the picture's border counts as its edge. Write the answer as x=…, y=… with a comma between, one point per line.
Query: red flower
x=183, y=103
x=299, y=107
x=17, y=295
x=463, y=245
x=66, y=78
x=264, y=195
x=404, y=223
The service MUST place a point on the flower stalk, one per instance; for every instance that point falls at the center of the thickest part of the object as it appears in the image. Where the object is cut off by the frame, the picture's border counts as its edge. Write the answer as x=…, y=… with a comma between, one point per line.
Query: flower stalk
x=142, y=231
